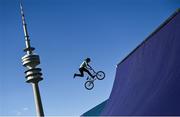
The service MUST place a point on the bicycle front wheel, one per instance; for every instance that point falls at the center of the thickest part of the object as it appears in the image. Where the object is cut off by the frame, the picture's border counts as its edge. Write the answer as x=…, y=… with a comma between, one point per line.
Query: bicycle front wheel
x=100, y=75
x=89, y=85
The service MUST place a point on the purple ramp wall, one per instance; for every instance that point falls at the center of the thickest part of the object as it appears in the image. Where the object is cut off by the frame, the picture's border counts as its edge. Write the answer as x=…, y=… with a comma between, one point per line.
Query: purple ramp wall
x=148, y=80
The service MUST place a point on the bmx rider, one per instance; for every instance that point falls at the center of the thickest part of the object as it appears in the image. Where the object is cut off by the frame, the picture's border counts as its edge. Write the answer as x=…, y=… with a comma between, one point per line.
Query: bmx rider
x=84, y=68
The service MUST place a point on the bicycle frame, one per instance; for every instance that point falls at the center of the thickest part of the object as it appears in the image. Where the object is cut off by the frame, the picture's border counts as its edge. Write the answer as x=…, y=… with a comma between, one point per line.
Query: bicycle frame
x=90, y=68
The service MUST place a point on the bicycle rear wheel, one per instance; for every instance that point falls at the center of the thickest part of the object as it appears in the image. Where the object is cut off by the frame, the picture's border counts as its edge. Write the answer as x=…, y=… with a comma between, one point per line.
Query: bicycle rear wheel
x=100, y=75
x=89, y=85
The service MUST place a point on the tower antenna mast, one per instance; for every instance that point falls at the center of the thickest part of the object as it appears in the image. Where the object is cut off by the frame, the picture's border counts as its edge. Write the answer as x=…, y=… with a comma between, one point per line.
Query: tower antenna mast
x=30, y=60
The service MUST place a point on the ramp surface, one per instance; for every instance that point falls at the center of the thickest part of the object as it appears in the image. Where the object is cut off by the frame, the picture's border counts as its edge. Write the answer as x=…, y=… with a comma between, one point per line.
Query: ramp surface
x=148, y=80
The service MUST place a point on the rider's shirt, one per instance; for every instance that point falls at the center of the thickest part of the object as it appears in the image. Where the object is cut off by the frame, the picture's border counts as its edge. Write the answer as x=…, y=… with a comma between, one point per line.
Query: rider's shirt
x=83, y=64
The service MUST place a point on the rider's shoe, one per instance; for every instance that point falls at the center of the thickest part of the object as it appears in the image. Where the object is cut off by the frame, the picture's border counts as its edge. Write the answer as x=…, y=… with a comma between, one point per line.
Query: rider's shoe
x=74, y=76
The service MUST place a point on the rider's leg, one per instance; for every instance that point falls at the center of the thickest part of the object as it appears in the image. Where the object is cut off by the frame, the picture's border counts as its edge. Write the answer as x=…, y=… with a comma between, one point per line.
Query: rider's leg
x=88, y=72
x=81, y=73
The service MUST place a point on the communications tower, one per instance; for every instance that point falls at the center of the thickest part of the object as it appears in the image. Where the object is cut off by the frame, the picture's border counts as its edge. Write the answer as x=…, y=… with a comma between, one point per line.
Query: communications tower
x=33, y=74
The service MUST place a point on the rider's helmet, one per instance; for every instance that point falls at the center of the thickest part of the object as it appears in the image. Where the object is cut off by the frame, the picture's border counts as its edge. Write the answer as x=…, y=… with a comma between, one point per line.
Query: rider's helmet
x=88, y=60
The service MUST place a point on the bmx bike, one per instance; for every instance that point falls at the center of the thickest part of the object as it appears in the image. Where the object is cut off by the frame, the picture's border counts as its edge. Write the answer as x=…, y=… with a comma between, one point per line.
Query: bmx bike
x=89, y=84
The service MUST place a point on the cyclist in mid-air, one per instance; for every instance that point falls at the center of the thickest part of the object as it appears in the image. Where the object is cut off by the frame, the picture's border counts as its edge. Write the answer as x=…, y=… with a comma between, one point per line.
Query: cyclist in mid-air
x=84, y=68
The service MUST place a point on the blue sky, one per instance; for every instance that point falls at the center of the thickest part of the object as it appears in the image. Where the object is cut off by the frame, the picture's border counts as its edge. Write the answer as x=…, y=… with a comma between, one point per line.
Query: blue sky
x=64, y=32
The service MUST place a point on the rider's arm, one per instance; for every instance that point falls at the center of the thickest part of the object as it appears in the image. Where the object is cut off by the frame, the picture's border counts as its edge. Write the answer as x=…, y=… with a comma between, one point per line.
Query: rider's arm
x=88, y=66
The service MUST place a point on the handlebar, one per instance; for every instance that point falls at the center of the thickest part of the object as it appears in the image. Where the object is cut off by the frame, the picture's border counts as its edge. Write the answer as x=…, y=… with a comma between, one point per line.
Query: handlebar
x=90, y=68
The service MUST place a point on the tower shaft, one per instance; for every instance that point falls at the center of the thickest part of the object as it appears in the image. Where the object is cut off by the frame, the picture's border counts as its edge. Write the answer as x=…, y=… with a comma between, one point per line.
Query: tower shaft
x=37, y=98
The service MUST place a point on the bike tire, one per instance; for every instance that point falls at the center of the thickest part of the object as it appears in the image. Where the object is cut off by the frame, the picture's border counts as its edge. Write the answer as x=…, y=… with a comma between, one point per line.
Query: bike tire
x=100, y=75
x=89, y=85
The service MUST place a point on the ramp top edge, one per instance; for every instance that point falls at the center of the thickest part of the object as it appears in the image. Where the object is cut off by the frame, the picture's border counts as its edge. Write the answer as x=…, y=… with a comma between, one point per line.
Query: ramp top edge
x=151, y=34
